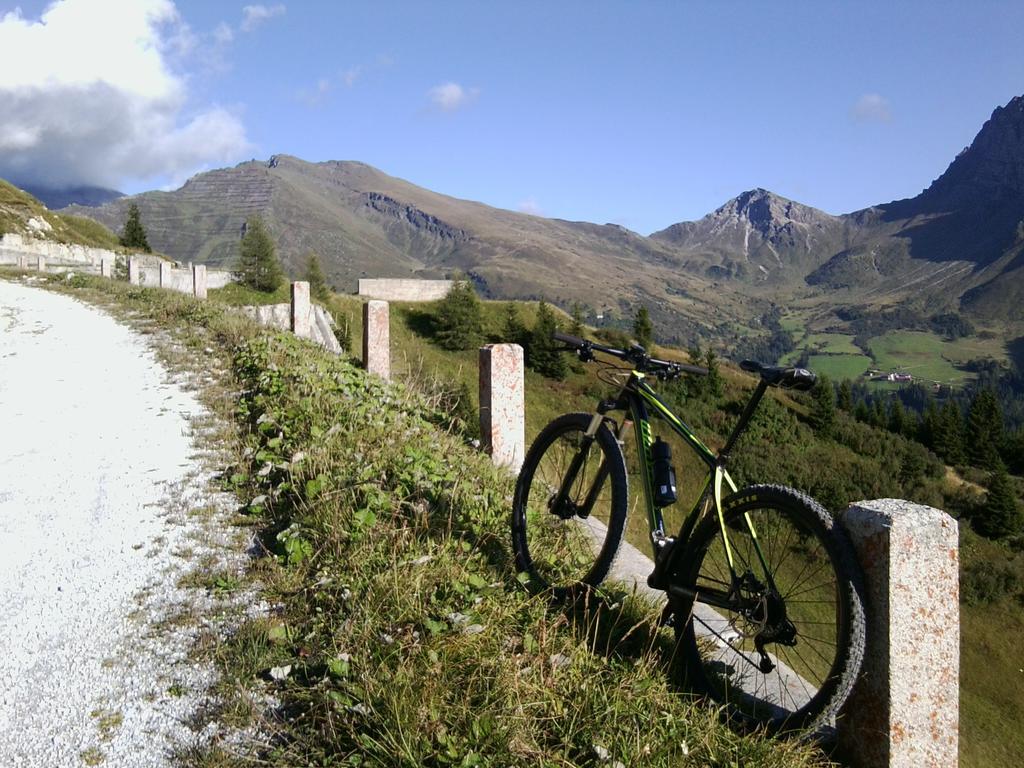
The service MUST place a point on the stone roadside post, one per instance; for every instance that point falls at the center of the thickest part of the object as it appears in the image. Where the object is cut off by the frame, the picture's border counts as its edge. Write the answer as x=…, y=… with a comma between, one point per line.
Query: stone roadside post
x=134, y=272
x=165, y=274
x=41, y=264
x=22, y=261
x=300, y=309
x=503, y=404
x=377, y=338
x=199, y=281
x=904, y=711
x=107, y=267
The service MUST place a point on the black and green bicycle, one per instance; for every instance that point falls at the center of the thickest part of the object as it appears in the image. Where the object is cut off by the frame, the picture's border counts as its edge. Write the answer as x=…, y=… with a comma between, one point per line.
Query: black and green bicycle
x=763, y=588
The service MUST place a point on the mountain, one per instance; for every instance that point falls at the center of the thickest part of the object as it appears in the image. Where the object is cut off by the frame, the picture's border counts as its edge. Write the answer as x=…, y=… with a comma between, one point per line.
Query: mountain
x=957, y=245
x=757, y=236
x=55, y=199
x=23, y=215
x=365, y=223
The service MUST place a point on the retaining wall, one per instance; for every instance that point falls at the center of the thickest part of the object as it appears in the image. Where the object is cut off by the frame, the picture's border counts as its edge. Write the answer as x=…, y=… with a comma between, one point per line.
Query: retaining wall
x=280, y=316
x=13, y=245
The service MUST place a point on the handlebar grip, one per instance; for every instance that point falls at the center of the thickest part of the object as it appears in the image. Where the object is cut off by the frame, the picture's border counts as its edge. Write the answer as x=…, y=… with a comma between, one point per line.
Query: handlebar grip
x=567, y=339
x=700, y=371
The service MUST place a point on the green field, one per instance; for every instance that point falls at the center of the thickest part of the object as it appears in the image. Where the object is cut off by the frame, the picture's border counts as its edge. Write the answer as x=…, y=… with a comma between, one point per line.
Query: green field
x=924, y=355
x=838, y=367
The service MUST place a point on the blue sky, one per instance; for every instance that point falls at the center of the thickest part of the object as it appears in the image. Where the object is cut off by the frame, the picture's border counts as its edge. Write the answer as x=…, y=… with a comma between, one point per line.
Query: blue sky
x=641, y=113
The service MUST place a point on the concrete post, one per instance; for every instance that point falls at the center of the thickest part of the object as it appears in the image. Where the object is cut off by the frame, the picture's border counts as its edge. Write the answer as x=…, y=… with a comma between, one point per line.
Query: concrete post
x=41, y=264
x=904, y=711
x=22, y=261
x=165, y=274
x=134, y=271
x=502, y=404
x=199, y=281
x=300, y=310
x=377, y=338
x=107, y=267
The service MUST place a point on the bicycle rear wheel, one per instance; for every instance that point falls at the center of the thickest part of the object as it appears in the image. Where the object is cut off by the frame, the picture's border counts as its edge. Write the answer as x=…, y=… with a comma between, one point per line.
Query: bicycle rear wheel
x=567, y=543
x=786, y=654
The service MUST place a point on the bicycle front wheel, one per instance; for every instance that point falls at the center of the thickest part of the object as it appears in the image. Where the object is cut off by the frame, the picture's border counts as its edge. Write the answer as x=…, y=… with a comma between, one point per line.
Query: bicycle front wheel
x=569, y=510
x=785, y=654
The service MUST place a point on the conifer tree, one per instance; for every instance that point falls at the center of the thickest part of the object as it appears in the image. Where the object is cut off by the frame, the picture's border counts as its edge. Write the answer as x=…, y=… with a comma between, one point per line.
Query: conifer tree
x=861, y=412
x=949, y=442
x=846, y=396
x=459, y=317
x=134, y=234
x=543, y=352
x=1001, y=515
x=314, y=275
x=984, y=430
x=823, y=409
x=878, y=414
x=897, y=417
x=643, y=331
x=930, y=427
x=513, y=331
x=257, y=266
x=713, y=383
x=576, y=329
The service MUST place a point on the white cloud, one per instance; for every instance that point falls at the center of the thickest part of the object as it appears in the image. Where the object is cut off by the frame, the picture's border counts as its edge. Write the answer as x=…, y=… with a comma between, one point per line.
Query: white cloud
x=871, y=107
x=254, y=15
x=223, y=34
x=530, y=206
x=449, y=97
x=315, y=95
x=350, y=75
x=101, y=103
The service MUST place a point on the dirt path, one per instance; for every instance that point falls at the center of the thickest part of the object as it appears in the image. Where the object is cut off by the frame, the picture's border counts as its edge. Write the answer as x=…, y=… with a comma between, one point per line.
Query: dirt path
x=99, y=483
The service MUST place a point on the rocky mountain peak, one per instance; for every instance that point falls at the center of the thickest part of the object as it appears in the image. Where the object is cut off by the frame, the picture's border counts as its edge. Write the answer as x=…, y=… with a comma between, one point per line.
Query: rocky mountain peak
x=990, y=169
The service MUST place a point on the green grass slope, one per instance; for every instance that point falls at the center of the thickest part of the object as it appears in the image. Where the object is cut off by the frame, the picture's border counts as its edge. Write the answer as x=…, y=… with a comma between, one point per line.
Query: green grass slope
x=407, y=636
x=17, y=207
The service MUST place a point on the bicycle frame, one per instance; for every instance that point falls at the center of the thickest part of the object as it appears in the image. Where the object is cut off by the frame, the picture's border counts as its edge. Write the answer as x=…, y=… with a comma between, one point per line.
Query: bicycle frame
x=640, y=401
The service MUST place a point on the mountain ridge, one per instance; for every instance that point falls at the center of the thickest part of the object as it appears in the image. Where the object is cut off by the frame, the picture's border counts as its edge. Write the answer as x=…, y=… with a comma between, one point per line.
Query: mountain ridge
x=950, y=246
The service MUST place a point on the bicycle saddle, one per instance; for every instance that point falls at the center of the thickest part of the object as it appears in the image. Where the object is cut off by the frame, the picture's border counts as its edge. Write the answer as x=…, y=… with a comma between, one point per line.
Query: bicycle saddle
x=780, y=376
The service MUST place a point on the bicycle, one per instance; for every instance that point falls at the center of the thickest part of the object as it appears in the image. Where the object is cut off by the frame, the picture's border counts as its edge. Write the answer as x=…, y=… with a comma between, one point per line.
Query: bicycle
x=763, y=588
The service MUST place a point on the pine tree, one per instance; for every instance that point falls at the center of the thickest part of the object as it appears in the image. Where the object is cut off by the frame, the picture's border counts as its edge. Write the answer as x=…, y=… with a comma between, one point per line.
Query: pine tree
x=823, y=408
x=713, y=384
x=512, y=330
x=897, y=417
x=930, y=427
x=314, y=275
x=878, y=414
x=576, y=329
x=984, y=430
x=846, y=396
x=861, y=412
x=543, y=351
x=1001, y=516
x=257, y=266
x=459, y=317
x=134, y=234
x=643, y=331
x=949, y=441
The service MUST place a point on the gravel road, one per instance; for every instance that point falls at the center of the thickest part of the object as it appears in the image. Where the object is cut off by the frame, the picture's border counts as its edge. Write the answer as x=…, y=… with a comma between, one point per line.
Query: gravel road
x=99, y=479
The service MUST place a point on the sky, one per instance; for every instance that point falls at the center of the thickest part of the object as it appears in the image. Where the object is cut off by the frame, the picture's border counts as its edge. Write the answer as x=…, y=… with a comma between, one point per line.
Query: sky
x=637, y=113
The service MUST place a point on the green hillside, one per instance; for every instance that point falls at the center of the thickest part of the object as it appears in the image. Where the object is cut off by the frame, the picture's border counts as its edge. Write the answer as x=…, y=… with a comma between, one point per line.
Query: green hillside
x=859, y=462
x=17, y=207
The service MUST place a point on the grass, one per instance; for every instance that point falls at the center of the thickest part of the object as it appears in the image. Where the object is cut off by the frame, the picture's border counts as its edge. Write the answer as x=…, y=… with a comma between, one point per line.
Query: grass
x=838, y=367
x=17, y=206
x=377, y=540
x=380, y=527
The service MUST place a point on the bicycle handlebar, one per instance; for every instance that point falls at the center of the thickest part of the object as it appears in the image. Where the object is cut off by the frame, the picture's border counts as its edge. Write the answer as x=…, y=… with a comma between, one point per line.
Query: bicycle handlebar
x=636, y=355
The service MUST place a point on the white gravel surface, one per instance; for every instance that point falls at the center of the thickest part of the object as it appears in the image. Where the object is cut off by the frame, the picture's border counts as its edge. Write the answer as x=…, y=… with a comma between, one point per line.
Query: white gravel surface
x=98, y=474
